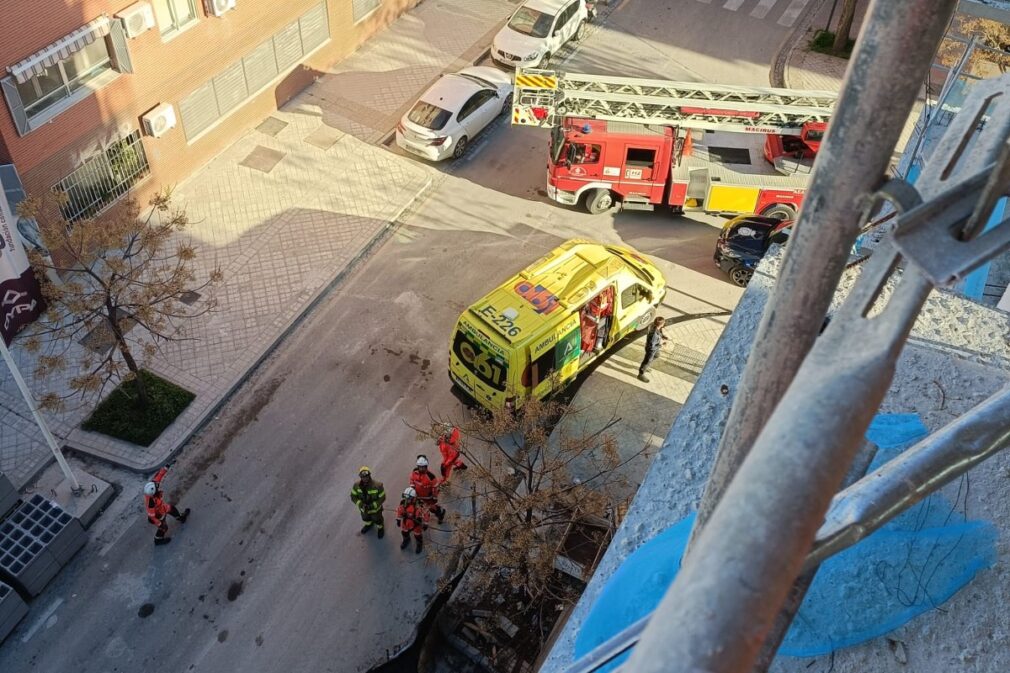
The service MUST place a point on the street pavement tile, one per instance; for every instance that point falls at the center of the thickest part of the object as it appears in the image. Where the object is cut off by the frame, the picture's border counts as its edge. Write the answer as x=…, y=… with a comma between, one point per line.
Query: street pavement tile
x=271, y=126
x=262, y=159
x=323, y=137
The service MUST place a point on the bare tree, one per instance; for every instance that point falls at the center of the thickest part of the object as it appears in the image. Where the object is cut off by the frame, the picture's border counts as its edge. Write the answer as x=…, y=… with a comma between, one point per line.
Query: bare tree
x=525, y=491
x=122, y=268
x=993, y=44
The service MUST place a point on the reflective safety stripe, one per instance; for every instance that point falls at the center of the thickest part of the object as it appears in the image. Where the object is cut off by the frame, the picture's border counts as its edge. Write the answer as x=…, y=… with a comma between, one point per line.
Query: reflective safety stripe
x=536, y=81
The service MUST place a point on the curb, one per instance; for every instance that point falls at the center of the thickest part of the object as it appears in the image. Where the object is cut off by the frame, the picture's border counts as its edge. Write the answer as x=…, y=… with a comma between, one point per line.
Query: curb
x=359, y=257
x=777, y=72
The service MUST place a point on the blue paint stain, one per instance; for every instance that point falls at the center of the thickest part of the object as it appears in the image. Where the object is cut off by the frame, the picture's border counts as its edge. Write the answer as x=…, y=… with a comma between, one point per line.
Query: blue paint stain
x=913, y=564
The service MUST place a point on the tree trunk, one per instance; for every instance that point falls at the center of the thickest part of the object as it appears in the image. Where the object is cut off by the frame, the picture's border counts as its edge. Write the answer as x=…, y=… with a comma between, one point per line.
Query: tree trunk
x=845, y=19
x=124, y=349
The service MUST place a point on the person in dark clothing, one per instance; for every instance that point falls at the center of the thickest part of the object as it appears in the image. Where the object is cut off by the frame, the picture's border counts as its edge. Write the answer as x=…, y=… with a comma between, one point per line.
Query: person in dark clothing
x=654, y=341
x=368, y=495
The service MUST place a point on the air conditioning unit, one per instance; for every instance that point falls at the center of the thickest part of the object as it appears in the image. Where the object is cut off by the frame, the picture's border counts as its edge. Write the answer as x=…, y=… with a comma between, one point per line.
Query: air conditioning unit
x=137, y=19
x=219, y=7
x=158, y=121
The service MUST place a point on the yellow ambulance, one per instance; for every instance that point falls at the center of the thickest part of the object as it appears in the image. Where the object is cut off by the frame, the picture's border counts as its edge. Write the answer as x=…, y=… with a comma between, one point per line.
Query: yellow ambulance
x=533, y=334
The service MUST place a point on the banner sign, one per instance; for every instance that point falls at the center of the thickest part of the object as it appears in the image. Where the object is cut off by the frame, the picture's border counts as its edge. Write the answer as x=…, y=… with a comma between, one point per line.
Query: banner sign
x=20, y=297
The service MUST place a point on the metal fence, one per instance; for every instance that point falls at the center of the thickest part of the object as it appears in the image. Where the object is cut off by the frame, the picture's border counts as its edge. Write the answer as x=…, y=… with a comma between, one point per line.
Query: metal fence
x=104, y=178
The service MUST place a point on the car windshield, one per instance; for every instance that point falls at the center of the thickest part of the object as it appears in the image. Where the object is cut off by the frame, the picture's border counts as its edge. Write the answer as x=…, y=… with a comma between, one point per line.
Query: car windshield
x=531, y=22
x=429, y=116
x=477, y=80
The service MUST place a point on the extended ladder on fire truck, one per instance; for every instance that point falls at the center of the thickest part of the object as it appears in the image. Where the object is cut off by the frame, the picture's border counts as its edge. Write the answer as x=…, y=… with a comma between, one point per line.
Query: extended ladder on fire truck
x=545, y=97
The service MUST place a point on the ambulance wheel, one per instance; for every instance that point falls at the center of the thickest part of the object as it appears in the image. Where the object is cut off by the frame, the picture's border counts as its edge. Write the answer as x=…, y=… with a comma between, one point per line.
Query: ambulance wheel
x=740, y=275
x=780, y=211
x=460, y=149
x=599, y=201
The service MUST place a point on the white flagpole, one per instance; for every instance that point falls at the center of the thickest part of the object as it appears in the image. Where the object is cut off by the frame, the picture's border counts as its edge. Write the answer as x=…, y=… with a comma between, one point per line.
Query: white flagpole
x=75, y=486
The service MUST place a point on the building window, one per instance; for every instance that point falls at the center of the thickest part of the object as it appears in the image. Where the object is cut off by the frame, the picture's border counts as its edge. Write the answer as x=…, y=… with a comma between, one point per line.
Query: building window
x=65, y=72
x=243, y=79
x=101, y=180
x=362, y=8
x=61, y=80
x=174, y=15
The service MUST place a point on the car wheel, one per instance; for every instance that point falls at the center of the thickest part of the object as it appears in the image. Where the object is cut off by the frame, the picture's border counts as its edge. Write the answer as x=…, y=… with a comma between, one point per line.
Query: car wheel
x=580, y=32
x=460, y=149
x=780, y=211
x=545, y=61
x=740, y=275
x=506, y=104
x=599, y=201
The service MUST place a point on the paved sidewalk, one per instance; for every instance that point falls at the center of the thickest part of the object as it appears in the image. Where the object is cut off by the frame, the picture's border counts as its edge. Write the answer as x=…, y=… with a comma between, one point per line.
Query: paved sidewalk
x=285, y=212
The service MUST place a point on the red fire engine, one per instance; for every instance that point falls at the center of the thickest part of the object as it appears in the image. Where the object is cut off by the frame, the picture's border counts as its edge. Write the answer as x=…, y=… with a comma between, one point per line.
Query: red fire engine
x=642, y=143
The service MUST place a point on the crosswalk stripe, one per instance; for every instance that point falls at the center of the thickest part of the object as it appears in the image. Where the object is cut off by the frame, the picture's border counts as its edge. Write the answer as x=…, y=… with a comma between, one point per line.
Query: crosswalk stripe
x=792, y=12
x=733, y=5
x=761, y=11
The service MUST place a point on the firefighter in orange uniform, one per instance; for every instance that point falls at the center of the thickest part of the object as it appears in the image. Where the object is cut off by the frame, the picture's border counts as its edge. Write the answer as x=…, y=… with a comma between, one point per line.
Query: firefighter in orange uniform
x=158, y=508
x=412, y=517
x=447, y=438
x=425, y=483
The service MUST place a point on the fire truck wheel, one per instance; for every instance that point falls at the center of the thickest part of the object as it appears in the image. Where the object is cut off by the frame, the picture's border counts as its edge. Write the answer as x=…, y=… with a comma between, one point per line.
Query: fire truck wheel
x=780, y=211
x=599, y=201
x=460, y=148
x=740, y=275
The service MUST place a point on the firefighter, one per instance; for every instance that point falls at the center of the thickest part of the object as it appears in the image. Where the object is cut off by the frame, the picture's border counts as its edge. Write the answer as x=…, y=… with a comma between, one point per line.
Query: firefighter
x=368, y=495
x=447, y=438
x=425, y=483
x=158, y=508
x=412, y=517
x=654, y=341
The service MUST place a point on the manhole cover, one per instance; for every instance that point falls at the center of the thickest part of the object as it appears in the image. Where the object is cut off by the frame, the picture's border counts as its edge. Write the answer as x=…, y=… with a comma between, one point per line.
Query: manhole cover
x=100, y=339
x=262, y=159
x=189, y=297
x=271, y=126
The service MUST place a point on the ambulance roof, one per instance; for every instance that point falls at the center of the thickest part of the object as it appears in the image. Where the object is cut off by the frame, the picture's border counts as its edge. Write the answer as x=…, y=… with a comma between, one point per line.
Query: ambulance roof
x=543, y=292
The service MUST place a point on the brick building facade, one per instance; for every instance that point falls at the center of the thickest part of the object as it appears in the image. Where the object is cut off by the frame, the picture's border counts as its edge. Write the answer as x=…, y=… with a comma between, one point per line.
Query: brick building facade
x=102, y=96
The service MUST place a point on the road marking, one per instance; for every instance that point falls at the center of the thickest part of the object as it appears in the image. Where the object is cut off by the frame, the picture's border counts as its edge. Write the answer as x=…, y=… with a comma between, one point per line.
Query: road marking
x=733, y=5
x=792, y=12
x=761, y=11
x=43, y=618
x=707, y=2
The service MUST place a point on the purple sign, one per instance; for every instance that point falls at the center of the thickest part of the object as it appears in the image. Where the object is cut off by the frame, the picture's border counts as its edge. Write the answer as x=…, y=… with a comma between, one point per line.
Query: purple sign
x=20, y=297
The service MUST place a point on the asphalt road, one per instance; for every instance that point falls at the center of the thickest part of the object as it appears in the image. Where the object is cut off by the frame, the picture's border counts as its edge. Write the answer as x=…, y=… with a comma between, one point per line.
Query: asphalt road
x=270, y=573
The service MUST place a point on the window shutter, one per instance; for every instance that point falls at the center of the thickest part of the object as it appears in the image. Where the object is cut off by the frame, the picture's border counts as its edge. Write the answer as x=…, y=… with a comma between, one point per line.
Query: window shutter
x=260, y=66
x=288, y=46
x=230, y=88
x=15, y=105
x=315, y=29
x=199, y=110
x=120, y=52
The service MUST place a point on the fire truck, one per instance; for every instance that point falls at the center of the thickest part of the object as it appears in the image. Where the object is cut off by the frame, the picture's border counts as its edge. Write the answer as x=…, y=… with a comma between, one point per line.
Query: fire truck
x=692, y=147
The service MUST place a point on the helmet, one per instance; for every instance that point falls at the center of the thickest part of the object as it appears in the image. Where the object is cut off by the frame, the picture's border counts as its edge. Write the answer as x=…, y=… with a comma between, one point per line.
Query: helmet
x=409, y=492
x=364, y=471
x=150, y=488
x=422, y=460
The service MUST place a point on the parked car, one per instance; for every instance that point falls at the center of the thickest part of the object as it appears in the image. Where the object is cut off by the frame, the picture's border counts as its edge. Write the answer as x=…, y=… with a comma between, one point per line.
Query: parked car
x=537, y=30
x=744, y=241
x=453, y=111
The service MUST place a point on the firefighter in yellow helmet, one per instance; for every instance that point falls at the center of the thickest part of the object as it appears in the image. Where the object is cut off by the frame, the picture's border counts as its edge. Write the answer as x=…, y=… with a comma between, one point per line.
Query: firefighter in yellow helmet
x=368, y=495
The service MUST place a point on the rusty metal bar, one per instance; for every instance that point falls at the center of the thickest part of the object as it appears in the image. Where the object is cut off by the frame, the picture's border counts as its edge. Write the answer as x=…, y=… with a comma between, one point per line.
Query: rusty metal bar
x=722, y=604
x=894, y=49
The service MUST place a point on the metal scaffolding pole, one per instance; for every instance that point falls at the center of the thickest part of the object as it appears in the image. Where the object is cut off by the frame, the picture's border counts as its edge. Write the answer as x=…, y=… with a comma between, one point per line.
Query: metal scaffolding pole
x=894, y=49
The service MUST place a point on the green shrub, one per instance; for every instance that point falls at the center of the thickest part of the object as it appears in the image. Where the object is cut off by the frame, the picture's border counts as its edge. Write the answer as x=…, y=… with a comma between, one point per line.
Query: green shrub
x=824, y=41
x=120, y=415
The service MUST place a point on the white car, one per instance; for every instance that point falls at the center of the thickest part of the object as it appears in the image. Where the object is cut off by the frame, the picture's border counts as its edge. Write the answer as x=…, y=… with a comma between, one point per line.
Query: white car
x=537, y=30
x=453, y=111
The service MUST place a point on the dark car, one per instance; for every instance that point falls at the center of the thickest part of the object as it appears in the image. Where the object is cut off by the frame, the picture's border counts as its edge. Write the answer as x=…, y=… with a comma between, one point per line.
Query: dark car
x=744, y=241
